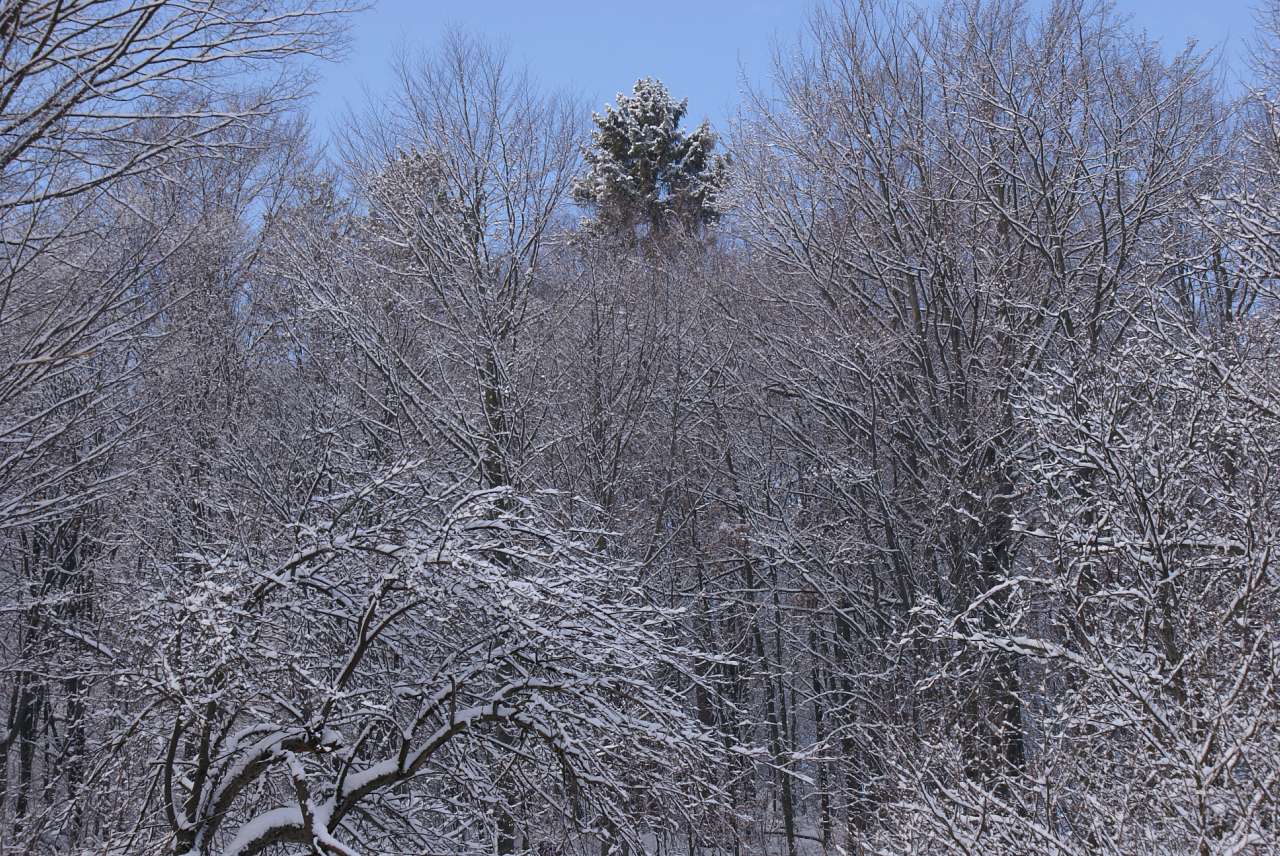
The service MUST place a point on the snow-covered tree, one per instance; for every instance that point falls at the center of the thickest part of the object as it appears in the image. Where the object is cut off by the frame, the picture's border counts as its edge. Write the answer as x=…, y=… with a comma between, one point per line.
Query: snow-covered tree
x=644, y=170
x=375, y=505
x=394, y=680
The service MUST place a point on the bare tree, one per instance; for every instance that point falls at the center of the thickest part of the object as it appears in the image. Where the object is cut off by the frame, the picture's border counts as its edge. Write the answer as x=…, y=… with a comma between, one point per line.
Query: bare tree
x=95, y=99
x=924, y=505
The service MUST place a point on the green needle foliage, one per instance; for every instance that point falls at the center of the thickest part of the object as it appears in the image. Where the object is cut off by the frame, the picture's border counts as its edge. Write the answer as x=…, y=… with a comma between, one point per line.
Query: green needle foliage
x=645, y=174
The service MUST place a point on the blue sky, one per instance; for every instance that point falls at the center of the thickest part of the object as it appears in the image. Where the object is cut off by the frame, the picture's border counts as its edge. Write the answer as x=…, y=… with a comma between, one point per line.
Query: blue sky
x=697, y=47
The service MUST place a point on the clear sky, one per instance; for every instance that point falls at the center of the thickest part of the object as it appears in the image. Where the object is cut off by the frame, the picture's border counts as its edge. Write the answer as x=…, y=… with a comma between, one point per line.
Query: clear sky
x=699, y=48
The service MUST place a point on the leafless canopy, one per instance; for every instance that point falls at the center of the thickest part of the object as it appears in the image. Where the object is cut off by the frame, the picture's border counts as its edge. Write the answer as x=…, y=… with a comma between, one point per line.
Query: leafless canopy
x=376, y=500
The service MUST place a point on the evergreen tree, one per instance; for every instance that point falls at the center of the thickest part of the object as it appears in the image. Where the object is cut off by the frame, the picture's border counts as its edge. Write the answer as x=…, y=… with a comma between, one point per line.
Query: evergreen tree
x=644, y=171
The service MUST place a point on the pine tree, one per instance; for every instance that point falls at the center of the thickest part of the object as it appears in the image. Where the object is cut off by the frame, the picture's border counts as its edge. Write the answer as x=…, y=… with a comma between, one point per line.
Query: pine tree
x=644, y=171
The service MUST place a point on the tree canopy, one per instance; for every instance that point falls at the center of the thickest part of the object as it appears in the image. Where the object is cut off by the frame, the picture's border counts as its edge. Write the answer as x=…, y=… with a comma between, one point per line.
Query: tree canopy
x=643, y=170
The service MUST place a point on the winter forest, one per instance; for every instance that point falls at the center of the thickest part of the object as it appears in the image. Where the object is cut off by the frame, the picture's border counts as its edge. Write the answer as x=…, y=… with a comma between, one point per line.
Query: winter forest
x=894, y=471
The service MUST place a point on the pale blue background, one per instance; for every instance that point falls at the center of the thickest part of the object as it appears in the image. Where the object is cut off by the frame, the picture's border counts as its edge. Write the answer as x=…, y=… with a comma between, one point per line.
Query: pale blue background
x=697, y=47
